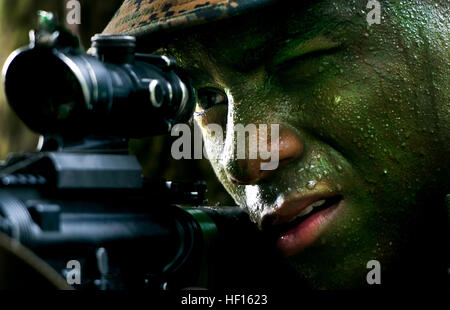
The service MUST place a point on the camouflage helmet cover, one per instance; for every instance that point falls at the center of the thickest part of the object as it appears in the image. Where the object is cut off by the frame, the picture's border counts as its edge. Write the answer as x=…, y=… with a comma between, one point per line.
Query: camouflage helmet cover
x=142, y=17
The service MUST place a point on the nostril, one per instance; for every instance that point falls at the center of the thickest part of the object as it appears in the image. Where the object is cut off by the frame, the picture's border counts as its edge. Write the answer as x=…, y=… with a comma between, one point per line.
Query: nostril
x=244, y=181
x=235, y=181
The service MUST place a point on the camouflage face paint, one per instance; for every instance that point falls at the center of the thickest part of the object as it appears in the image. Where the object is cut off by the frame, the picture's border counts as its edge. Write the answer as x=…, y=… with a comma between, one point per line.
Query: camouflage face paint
x=370, y=105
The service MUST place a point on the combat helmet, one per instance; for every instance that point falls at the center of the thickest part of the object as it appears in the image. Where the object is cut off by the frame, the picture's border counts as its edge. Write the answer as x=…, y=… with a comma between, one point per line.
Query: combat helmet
x=143, y=17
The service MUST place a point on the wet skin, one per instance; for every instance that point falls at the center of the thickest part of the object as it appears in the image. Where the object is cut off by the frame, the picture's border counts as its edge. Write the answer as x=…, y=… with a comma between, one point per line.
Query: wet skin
x=364, y=113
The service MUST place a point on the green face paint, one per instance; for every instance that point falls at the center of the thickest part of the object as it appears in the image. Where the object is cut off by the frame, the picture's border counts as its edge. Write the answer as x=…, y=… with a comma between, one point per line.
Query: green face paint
x=371, y=107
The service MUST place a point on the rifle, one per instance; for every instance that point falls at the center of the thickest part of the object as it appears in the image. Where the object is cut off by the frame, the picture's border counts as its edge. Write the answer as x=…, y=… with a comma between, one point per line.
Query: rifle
x=80, y=206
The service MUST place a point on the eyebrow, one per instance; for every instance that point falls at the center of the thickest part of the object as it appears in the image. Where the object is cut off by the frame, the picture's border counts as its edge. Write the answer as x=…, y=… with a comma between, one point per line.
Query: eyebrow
x=270, y=51
x=299, y=48
x=277, y=54
x=283, y=49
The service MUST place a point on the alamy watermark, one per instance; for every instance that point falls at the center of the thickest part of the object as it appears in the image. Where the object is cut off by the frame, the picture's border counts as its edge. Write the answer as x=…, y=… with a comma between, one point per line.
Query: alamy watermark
x=374, y=15
x=73, y=16
x=259, y=146
x=73, y=272
x=374, y=275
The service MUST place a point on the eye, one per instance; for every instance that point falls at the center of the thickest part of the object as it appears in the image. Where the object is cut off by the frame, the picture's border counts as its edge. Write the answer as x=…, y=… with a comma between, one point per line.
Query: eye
x=209, y=97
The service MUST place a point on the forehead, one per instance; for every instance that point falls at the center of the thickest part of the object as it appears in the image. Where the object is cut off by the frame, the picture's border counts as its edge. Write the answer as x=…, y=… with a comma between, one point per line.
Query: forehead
x=243, y=42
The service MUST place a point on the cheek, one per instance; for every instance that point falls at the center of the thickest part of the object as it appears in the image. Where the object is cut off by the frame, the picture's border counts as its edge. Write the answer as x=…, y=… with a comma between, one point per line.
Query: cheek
x=372, y=119
x=212, y=124
x=215, y=115
x=214, y=145
x=213, y=139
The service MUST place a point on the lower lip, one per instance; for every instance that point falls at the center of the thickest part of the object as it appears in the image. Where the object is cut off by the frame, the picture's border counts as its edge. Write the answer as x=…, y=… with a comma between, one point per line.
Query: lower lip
x=308, y=231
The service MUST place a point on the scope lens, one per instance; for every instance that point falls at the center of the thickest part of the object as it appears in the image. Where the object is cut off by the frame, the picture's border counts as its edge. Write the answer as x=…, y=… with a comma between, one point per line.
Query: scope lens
x=43, y=90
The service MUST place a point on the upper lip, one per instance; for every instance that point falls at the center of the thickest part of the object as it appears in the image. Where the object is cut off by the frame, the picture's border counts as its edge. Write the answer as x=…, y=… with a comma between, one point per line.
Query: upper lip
x=291, y=207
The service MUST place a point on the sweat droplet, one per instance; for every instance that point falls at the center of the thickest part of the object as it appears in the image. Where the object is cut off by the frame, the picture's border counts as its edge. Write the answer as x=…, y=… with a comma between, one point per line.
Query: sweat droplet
x=311, y=184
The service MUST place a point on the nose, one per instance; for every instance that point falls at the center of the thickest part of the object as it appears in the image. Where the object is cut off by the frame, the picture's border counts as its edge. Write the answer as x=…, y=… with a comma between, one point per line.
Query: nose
x=249, y=171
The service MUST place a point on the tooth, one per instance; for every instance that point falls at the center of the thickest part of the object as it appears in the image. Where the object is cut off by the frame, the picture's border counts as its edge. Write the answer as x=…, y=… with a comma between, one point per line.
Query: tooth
x=309, y=209
x=317, y=203
x=305, y=211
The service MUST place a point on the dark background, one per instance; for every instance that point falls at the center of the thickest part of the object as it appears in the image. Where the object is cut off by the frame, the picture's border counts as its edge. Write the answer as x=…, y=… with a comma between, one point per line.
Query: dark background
x=17, y=17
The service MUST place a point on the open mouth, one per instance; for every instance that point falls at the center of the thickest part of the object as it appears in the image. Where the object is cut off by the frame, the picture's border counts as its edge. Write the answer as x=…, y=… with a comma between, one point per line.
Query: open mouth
x=309, y=211
x=296, y=231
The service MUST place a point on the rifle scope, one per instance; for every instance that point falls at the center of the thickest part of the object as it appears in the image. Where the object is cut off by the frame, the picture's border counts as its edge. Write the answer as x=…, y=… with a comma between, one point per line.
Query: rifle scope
x=57, y=88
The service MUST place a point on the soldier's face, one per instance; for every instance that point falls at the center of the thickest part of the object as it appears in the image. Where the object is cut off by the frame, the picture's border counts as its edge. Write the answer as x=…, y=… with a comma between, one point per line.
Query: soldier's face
x=363, y=126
